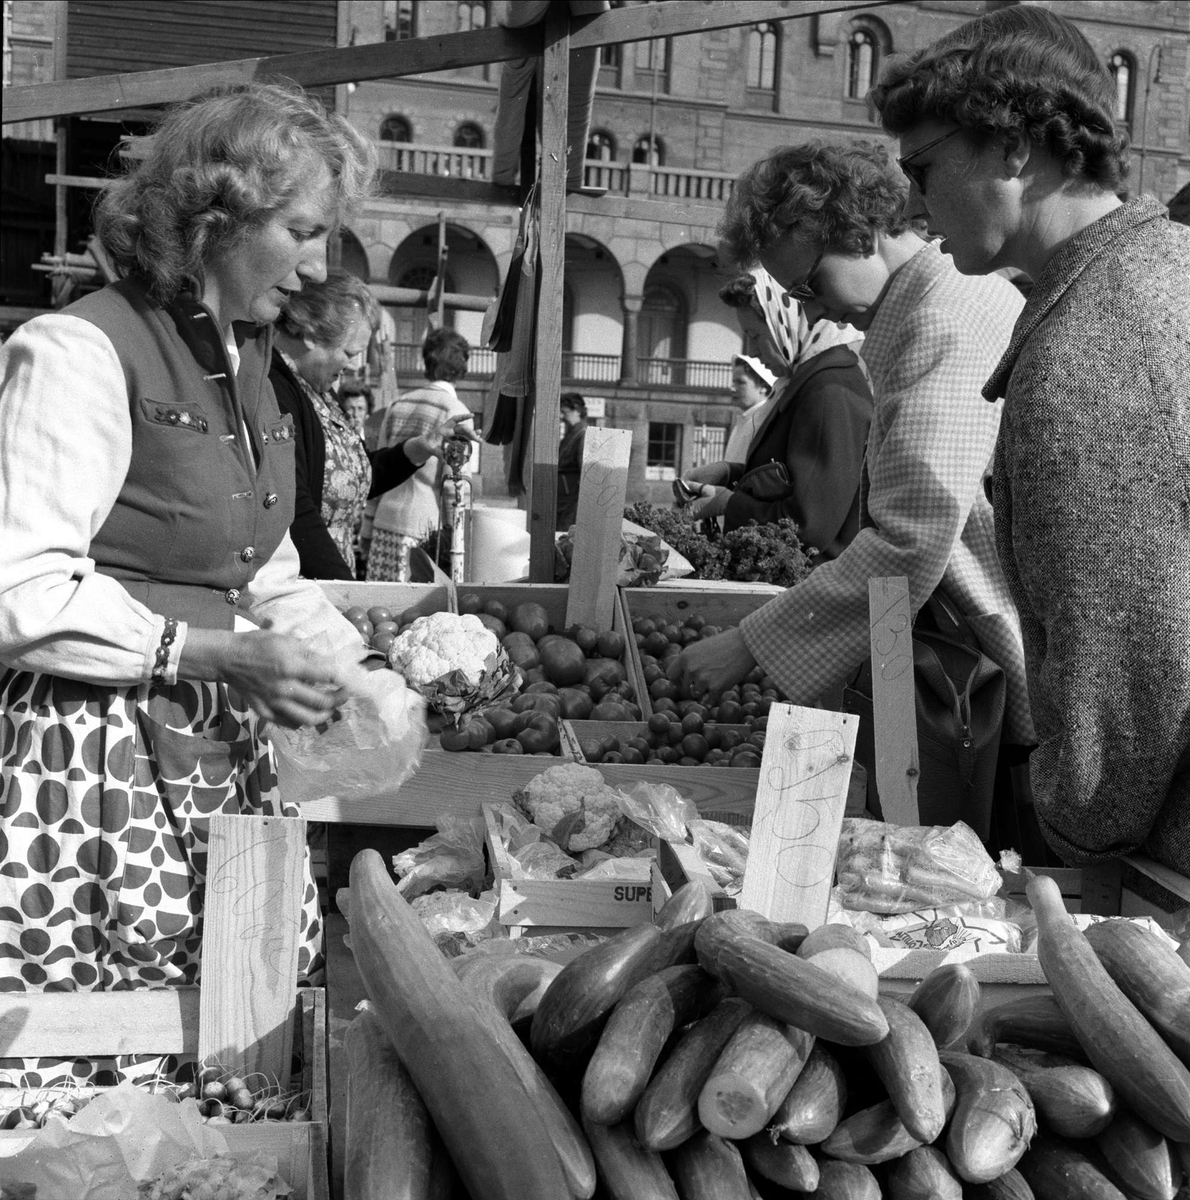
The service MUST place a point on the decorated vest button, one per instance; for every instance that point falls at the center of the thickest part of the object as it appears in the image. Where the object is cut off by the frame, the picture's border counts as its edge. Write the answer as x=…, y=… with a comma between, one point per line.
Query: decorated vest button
x=247, y=554
x=232, y=595
x=271, y=499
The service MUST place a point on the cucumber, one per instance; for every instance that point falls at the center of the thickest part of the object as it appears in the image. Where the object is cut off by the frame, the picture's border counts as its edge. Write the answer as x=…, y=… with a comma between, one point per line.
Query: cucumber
x=752, y=1075
x=667, y=1114
x=907, y=1064
x=706, y=1167
x=1150, y=973
x=877, y=1134
x=1035, y=1022
x=1060, y=1170
x=1115, y=1035
x=993, y=1119
x=1071, y=1100
x=845, y=1181
x=576, y=1005
x=1009, y=1186
x=636, y=1033
x=626, y=1170
x=923, y=1174
x=781, y=1162
x=789, y=989
x=691, y=902
x=946, y=1001
x=815, y=1103
x=1140, y=1158
x=835, y=936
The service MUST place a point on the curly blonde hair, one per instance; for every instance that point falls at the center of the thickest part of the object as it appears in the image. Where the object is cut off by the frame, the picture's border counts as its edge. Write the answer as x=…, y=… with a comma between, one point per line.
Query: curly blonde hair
x=218, y=166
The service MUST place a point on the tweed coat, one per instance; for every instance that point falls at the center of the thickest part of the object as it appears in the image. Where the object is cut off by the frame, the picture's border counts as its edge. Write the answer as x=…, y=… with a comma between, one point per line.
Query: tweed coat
x=924, y=513
x=1092, y=501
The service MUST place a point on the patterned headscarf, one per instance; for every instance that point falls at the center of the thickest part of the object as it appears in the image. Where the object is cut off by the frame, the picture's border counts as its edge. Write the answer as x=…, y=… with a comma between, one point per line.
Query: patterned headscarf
x=795, y=337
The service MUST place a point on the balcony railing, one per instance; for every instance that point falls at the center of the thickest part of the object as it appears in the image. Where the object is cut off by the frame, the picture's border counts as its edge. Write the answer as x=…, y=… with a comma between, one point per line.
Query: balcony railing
x=614, y=178
x=579, y=367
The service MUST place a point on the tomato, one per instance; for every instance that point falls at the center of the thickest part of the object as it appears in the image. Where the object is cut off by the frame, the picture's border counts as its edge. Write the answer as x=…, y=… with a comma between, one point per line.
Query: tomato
x=545, y=702
x=608, y=710
x=546, y=689
x=613, y=756
x=469, y=602
x=502, y=720
x=454, y=738
x=479, y=732
x=659, y=723
x=507, y=746
x=592, y=750
x=730, y=713
x=631, y=755
x=692, y=722
x=355, y=614
x=378, y=614
x=695, y=745
x=540, y=735
x=611, y=643
x=495, y=609
x=576, y=705
x=383, y=639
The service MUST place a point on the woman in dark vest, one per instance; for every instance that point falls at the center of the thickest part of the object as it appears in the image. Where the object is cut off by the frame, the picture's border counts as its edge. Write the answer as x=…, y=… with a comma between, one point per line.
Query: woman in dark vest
x=570, y=458
x=151, y=615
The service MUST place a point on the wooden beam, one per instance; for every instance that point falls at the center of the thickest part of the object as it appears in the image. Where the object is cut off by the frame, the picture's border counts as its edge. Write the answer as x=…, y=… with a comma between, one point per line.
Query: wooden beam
x=542, y=485
x=894, y=704
x=391, y=60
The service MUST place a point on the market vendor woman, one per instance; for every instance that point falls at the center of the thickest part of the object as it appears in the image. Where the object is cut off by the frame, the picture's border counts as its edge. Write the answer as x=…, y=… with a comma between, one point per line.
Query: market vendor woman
x=146, y=490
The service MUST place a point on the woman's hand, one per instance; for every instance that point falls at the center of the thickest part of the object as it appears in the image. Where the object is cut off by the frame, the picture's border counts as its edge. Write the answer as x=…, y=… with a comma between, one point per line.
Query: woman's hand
x=281, y=678
x=718, y=473
x=713, y=664
x=424, y=446
x=712, y=503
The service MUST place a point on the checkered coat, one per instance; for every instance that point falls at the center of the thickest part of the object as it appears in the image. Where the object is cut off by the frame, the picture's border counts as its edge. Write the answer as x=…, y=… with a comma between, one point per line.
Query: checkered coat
x=1093, y=519
x=925, y=513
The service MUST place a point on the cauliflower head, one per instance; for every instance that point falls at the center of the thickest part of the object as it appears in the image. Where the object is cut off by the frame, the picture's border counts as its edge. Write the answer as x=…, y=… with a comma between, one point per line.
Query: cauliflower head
x=441, y=643
x=573, y=804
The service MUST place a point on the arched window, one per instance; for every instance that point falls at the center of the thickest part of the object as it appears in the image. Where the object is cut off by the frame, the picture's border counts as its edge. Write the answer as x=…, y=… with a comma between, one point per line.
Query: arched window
x=473, y=14
x=395, y=129
x=761, y=71
x=469, y=136
x=1123, y=70
x=601, y=146
x=642, y=153
x=862, y=54
x=662, y=335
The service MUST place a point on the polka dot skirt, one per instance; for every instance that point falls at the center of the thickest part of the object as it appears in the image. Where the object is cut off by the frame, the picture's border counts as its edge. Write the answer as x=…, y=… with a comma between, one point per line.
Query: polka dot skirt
x=103, y=839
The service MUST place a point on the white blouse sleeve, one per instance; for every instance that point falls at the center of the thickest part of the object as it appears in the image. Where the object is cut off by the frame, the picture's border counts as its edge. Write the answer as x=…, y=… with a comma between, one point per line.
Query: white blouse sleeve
x=65, y=448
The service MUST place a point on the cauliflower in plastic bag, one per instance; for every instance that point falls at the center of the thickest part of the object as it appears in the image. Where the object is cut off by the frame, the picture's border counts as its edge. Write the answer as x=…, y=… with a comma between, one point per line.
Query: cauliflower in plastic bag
x=452, y=858
x=455, y=662
x=573, y=804
x=215, y=1179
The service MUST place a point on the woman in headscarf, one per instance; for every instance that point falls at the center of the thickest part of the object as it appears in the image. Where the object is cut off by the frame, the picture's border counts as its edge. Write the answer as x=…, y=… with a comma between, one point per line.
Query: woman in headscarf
x=806, y=457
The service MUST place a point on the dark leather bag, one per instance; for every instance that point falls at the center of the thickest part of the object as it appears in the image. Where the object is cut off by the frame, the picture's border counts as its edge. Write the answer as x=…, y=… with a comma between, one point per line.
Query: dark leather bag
x=768, y=482
x=960, y=695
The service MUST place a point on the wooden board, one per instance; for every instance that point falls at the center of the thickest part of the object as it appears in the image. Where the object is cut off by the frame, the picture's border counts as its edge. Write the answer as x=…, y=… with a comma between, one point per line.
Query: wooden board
x=804, y=776
x=252, y=913
x=595, y=566
x=894, y=711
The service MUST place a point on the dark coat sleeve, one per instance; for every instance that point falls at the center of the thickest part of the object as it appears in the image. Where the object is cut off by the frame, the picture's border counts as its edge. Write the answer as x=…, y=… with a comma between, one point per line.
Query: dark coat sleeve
x=390, y=468
x=317, y=552
x=819, y=431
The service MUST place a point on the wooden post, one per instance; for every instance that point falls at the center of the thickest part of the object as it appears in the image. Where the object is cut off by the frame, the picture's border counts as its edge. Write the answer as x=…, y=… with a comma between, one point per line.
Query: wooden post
x=894, y=704
x=252, y=915
x=596, y=561
x=800, y=799
x=543, y=477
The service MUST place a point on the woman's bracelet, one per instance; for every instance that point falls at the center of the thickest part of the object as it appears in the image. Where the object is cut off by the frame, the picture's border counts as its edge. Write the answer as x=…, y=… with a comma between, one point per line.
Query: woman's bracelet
x=161, y=663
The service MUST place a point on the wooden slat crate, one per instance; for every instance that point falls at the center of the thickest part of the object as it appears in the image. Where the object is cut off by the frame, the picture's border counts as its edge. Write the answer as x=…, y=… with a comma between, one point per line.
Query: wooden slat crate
x=549, y=905
x=165, y=1021
x=724, y=606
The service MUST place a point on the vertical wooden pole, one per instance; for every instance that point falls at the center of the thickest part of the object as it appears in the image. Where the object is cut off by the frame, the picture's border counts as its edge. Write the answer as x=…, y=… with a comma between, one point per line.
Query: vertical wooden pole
x=894, y=705
x=800, y=800
x=543, y=478
x=600, y=519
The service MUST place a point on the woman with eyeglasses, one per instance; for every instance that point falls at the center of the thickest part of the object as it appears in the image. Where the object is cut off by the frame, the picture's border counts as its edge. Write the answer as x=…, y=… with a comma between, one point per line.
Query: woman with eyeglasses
x=1008, y=133
x=829, y=224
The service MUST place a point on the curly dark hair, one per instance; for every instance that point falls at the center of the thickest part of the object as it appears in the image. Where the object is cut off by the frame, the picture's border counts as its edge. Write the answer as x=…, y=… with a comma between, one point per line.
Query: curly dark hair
x=1019, y=69
x=837, y=196
x=325, y=312
x=739, y=292
x=445, y=354
x=217, y=167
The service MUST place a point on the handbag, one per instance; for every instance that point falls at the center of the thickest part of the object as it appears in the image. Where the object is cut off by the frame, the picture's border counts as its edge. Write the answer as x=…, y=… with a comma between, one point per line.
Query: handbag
x=768, y=482
x=959, y=698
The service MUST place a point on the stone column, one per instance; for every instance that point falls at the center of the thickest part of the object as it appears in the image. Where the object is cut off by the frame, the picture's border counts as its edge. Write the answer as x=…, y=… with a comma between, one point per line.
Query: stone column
x=632, y=307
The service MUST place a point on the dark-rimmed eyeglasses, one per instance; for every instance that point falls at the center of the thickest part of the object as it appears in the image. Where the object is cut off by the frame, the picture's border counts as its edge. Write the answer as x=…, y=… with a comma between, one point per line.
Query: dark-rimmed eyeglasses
x=917, y=173
x=803, y=291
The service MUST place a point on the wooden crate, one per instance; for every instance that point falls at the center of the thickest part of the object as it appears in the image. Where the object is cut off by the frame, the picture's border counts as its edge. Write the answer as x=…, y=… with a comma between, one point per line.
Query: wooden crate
x=1103, y=890
x=552, y=905
x=165, y=1021
x=725, y=605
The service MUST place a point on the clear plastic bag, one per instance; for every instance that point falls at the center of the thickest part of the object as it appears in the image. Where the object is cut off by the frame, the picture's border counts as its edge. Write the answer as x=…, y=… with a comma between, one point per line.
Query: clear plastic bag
x=724, y=849
x=897, y=869
x=372, y=744
x=450, y=858
x=975, y=926
x=659, y=808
